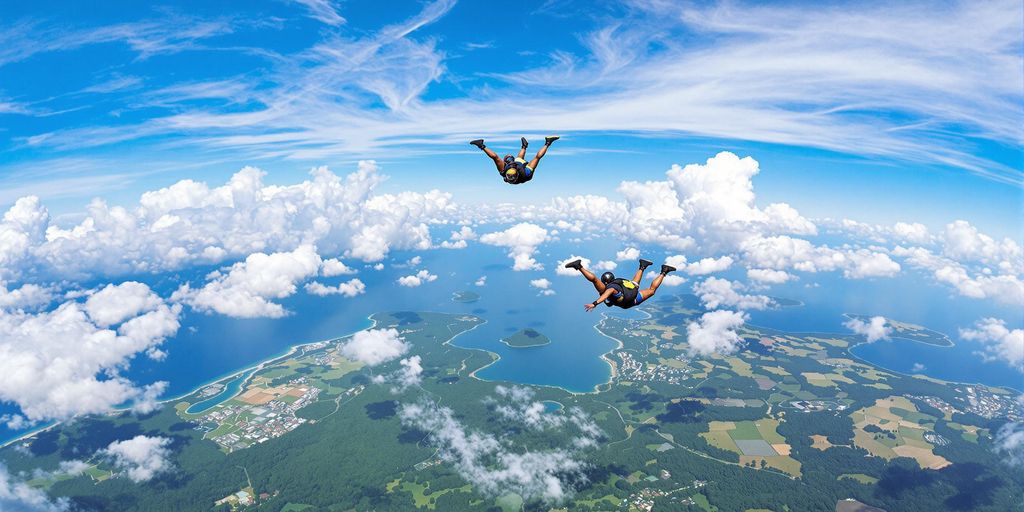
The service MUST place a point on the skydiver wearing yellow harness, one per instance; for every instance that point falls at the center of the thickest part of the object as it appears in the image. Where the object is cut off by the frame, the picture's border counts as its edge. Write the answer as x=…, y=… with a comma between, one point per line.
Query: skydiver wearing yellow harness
x=516, y=170
x=616, y=291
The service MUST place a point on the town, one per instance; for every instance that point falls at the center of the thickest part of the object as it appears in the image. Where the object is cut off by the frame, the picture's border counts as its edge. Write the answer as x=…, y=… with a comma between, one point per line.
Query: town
x=635, y=370
x=258, y=415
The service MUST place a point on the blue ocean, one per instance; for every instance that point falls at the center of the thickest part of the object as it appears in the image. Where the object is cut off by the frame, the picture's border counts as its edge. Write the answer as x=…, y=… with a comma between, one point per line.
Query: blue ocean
x=209, y=347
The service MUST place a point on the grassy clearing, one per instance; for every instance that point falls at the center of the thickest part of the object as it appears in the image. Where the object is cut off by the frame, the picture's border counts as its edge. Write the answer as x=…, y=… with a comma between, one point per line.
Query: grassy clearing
x=858, y=477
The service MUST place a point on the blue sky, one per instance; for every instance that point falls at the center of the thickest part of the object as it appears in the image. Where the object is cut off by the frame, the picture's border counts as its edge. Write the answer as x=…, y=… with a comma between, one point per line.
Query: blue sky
x=863, y=111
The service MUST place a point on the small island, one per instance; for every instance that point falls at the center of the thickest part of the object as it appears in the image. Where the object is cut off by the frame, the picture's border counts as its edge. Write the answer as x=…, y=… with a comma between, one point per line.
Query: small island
x=783, y=302
x=465, y=297
x=526, y=338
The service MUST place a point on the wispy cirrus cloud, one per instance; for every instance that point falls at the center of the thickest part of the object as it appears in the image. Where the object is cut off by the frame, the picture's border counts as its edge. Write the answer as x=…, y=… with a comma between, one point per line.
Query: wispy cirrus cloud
x=322, y=11
x=173, y=33
x=912, y=82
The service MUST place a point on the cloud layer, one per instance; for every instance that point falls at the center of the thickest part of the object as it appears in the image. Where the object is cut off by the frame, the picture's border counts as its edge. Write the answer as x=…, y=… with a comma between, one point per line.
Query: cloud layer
x=190, y=223
x=67, y=361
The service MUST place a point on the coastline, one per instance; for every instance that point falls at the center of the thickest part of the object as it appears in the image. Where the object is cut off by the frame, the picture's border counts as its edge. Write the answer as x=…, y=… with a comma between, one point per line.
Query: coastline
x=614, y=367
x=234, y=374
x=949, y=341
x=849, y=351
x=597, y=388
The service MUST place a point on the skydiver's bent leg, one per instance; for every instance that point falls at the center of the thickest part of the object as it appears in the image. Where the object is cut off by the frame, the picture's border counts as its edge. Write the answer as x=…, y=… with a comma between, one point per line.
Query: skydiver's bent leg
x=598, y=285
x=522, y=150
x=649, y=292
x=498, y=161
x=543, y=151
x=640, y=271
x=578, y=265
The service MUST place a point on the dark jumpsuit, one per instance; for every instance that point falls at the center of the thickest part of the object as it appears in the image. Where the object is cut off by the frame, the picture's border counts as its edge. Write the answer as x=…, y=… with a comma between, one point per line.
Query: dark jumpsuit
x=524, y=174
x=630, y=296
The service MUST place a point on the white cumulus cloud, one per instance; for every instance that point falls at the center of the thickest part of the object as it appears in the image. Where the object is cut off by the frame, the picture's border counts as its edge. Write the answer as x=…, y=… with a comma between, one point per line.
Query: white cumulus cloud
x=874, y=329
x=715, y=292
x=542, y=283
x=140, y=458
x=459, y=239
x=629, y=253
x=715, y=333
x=417, y=279
x=247, y=288
x=350, y=288
x=63, y=362
x=26, y=296
x=708, y=266
x=1000, y=342
x=522, y=241
x=115, y=303
x=768, y=276
x=335, y=267
x=374, y=346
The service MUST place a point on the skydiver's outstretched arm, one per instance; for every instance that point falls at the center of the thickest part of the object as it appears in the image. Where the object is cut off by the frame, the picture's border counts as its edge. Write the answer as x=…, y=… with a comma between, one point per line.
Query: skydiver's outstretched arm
x=604, y=296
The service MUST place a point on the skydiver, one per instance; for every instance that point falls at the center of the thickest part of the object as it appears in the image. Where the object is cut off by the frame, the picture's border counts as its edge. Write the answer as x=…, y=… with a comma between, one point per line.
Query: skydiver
x=616, y=291
x=516, y=170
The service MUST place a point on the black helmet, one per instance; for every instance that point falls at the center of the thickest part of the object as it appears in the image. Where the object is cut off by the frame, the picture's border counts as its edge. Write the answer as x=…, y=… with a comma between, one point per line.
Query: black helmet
x=607, y=277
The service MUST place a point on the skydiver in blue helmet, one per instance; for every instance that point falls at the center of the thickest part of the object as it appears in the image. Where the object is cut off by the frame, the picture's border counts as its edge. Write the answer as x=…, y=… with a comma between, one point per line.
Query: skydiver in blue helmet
x=616, y=291
x=515, y=169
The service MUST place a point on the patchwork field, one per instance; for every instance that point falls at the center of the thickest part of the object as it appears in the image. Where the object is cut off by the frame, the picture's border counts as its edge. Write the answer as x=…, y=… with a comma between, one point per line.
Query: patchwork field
x=824, y=380
x=893, y=427
x=757, y=443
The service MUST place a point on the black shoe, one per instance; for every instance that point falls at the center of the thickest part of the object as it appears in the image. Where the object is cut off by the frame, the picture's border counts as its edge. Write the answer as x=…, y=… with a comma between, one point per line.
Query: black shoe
x=523, y=140
x=549, y=139
x=478, y=143
x=665, y=269
x=645, y=263
x=576, y=264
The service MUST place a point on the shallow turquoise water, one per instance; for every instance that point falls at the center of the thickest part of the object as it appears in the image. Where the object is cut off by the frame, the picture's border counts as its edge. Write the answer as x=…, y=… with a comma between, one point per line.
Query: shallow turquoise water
x=231, y=388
